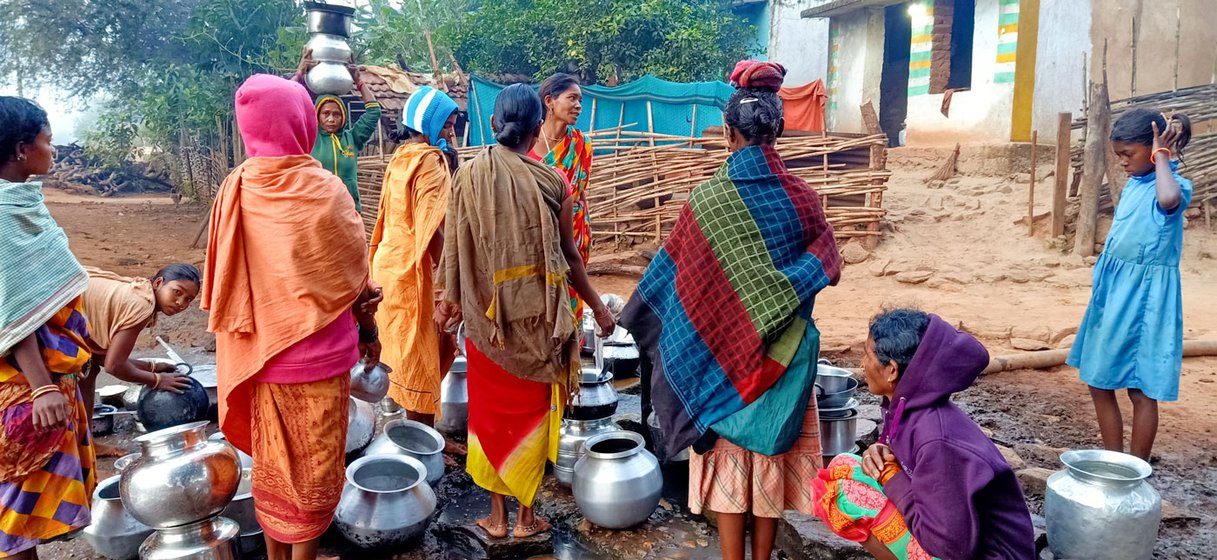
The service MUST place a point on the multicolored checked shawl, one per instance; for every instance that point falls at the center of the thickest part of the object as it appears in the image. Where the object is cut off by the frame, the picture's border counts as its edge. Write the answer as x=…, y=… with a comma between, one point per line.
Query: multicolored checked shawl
x=748, y=254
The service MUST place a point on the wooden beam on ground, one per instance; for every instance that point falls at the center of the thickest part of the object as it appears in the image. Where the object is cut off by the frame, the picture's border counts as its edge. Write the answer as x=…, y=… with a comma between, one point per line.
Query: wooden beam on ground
x=1061, y=185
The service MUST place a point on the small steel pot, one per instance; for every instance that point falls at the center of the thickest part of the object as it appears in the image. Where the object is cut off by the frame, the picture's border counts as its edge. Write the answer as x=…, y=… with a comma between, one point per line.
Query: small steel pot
x=329, y=18
x=361, y=425
x=840, y=411
x=833, y=379
x=837, y=399
x=103, y=419
x=597, y=398
x=370, y=385
x=454, y=400
x=837, y=435
x=112, y=395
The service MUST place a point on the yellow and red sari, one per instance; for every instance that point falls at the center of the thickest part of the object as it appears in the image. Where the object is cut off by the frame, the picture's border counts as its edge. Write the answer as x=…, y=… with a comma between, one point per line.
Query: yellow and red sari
x=572, y=158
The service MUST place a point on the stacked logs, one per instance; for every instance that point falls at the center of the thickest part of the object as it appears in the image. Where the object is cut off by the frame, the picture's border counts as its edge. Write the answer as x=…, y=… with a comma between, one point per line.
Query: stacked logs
x=76, y=171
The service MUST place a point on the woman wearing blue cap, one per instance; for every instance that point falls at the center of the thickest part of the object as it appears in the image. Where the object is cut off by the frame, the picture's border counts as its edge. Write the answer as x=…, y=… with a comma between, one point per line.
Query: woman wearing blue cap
x=406, y=245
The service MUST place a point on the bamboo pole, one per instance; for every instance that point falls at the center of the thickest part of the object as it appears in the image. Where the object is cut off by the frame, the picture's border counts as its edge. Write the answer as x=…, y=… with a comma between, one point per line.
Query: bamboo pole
x=477, y=107
x=591, y=123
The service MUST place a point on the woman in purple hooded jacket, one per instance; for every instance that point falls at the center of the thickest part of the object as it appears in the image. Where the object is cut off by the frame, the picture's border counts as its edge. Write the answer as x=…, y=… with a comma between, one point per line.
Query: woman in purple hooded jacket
x=934, y=485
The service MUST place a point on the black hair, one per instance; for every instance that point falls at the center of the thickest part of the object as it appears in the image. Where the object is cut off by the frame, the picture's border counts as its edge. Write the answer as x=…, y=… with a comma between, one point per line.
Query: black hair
x=518, y=112
x=179, y=271
x=1136, y=127
x=556, y=85
x=401, y=133
x=896, y=333
x=756, y=113
x=20, y=122
x=452, y=158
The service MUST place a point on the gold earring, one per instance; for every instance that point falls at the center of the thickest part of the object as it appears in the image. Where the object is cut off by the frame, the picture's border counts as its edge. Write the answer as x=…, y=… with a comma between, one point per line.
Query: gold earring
x=20, y=157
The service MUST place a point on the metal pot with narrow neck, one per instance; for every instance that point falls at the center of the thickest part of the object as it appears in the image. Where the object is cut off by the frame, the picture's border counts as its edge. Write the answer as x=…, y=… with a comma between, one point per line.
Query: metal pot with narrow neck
x=181, y=477
x=617, y=482
x=454, y=400
x=214, y=538
x=570, y=444
x=597, y=397
x=1100, y=506
x=113, y=532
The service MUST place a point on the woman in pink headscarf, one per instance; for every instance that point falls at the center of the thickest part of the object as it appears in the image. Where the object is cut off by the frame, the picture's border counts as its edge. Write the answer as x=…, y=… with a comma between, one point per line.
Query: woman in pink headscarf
x=292, y=307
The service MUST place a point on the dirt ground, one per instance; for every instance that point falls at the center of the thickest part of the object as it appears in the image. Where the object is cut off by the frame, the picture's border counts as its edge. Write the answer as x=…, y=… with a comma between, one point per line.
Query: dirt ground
x=955, y=250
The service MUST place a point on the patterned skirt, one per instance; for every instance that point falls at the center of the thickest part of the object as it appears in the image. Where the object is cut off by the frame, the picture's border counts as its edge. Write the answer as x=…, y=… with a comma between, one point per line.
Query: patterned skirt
x=731, y=479
x=854, y=507
x=299, y=451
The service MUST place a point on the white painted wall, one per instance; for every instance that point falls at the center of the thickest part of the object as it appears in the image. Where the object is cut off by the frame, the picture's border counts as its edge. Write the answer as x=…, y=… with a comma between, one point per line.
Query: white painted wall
x=981, y=115
x=1064, y=39
x=801, y=45
x=855, y=61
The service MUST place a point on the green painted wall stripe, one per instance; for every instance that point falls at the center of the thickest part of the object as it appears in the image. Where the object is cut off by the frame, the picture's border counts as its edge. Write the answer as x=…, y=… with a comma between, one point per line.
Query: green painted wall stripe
x=1008, y=2
x=1003, y=78
x=1007, y=19
x=919, y=56
x=919, y=90
x=919, y=73
x=1007, y=48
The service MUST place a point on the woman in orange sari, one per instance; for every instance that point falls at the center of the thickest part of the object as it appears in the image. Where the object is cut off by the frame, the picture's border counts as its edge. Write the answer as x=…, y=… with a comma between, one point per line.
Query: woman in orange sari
x=509, y=258
x=292, y=307
x=568, y=150
x=406, y=245
x=46, y=451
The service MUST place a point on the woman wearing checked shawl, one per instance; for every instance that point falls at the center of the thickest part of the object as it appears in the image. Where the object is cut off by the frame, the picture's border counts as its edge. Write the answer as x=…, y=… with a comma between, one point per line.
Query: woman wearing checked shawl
x=724, y=315
x=406, y=245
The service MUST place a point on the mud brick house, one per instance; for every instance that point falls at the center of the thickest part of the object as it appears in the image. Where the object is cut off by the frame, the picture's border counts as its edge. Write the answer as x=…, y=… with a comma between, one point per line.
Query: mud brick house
x=983, y=71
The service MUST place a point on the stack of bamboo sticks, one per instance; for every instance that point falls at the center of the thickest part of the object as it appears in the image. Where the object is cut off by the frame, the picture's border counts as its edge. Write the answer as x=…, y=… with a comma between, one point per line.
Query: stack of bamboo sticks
x=640, y=180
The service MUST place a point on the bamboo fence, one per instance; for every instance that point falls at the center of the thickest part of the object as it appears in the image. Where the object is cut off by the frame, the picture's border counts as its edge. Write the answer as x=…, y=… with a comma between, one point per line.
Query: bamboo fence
x=640, y=181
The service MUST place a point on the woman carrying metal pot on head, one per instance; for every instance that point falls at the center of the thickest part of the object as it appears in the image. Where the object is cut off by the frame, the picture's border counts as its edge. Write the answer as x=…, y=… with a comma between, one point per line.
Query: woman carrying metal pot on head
x=338, y=140
x=724, y=314
x=509, y=256
x=46, y=451
x=292, y=307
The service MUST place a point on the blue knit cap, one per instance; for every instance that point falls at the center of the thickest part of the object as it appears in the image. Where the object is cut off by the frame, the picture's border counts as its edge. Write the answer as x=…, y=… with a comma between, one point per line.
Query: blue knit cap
x=426, y=111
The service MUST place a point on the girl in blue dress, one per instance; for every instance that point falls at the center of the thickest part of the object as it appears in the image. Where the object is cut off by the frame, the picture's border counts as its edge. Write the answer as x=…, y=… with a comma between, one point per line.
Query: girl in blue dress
x=1132, y=335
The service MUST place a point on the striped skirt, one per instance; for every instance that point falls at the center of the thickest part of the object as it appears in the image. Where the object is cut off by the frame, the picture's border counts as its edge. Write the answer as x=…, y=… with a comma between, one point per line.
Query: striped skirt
x=854, y=507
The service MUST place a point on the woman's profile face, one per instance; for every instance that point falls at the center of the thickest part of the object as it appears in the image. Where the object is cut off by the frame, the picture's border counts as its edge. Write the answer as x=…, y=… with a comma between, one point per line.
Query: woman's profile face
x=39, y=155
x=566, y=106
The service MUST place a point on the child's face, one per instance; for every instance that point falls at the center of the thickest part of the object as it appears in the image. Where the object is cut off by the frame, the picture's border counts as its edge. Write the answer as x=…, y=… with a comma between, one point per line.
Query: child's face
x=1135, y=158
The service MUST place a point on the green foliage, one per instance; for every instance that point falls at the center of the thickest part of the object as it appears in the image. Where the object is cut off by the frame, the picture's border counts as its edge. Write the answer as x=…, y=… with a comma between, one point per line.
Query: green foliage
x=387, y=33
x=679, y=40
x=111, y=140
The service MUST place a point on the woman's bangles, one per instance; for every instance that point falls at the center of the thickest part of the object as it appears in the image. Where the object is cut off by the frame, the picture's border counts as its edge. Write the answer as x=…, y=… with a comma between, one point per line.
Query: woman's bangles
x=1153, y=157
x=43, y=391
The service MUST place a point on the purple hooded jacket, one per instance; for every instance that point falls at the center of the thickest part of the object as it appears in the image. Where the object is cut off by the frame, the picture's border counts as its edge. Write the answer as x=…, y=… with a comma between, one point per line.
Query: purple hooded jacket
x=957, y=493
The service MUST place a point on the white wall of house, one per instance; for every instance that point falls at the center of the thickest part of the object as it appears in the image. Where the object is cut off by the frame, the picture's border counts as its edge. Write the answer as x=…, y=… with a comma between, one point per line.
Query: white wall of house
x=1063, y=47
x=981, y=115
x=859, y=67
x=801, y=45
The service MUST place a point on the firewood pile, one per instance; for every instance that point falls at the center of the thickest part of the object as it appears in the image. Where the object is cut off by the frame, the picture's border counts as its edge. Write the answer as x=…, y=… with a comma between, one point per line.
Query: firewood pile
x=640, y=180
x=76, y=171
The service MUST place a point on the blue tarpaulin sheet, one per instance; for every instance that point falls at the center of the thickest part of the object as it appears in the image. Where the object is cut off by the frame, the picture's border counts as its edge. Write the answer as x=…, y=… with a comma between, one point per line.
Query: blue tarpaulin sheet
x=672, y=107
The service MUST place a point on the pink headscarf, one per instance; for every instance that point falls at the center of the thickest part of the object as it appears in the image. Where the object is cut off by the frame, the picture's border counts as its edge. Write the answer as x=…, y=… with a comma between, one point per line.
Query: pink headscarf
x=758, y=74
x=275, y=117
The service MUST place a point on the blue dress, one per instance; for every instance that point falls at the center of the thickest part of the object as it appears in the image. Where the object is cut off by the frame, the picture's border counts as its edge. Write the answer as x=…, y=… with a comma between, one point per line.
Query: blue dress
x=1132, y=334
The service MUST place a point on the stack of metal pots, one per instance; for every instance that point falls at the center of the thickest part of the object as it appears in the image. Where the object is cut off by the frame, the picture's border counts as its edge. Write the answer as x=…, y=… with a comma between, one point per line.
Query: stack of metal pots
x=589, y=414
x=835, y=388
x=329, y=27
x=179, y=486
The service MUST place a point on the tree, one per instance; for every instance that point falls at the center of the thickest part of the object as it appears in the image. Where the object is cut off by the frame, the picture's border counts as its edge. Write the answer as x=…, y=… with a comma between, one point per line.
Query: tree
x=388, y=34
x=679, y=40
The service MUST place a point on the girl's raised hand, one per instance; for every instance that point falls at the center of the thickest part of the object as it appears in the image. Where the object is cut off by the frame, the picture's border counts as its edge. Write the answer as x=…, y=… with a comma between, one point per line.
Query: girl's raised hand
x=1168, y=138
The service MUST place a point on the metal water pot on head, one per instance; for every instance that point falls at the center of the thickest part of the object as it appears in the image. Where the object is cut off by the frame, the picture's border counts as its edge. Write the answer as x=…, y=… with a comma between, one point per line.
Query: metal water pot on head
x=329, y=27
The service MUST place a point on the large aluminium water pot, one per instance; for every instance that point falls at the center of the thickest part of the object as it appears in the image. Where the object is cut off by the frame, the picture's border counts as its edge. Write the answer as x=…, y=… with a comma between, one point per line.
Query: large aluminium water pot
x=386, y=501
x=113, y=532
x=617, y=482
x=181, y=477
x=370, y=385
x=837, y=435
x=1100, y=506
x=361, y=425
x=570, y=444
x=214, y=538
x=412, y=439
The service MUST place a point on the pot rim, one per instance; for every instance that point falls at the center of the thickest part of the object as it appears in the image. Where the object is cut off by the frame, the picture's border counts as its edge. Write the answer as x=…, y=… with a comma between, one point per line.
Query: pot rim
x=411, y=462
x=852, y=415
x=849, y=389
x=155, y=437
x=832, y=371
x=432, y=432
x=1072, y=457
x=244, y=495
x=850, y=405
x=616, y=434
x=126, y=461
x=602, y=376
x=113, y=480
